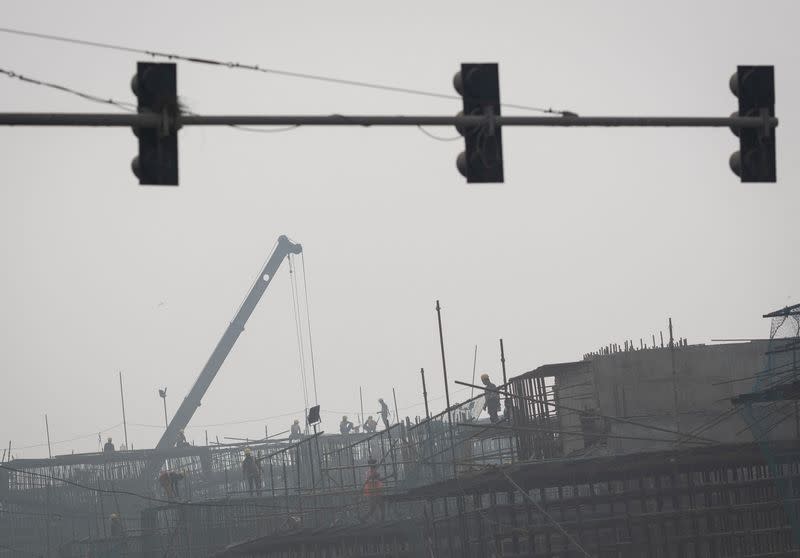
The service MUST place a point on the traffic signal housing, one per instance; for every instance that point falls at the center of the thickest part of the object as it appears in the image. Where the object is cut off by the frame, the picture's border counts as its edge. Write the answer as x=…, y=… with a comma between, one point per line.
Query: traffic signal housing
x=482, y=159
x=156, y=89
x=755, y=88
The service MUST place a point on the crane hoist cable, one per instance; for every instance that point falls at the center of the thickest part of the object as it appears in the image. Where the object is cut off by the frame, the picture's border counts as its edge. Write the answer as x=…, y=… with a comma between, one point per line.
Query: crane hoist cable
x=308, y=323
x=299, y=333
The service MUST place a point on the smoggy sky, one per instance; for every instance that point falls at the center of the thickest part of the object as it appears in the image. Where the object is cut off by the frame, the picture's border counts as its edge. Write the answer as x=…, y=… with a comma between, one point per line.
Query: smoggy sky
x=597, y=236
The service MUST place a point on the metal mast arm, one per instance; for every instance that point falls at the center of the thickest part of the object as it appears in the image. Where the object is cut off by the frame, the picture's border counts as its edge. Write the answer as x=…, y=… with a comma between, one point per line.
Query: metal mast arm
x=192, y=401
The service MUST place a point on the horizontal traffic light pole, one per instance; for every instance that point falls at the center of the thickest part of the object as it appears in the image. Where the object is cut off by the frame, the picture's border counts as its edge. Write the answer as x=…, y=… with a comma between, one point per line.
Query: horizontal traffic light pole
x=151, y=120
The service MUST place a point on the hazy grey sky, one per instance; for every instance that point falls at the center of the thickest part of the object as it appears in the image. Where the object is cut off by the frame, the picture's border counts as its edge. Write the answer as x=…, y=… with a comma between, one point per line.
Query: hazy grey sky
x=598, y=235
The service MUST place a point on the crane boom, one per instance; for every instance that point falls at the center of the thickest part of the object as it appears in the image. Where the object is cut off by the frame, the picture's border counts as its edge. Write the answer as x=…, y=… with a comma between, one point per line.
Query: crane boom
x=191, y=402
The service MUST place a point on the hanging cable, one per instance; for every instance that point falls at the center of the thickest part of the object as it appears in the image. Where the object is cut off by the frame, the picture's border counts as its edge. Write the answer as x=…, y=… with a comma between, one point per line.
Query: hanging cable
x=308, y=323
x=438, y=138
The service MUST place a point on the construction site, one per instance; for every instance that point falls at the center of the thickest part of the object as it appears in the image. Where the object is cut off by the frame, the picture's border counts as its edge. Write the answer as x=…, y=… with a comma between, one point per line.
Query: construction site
x=661, y=448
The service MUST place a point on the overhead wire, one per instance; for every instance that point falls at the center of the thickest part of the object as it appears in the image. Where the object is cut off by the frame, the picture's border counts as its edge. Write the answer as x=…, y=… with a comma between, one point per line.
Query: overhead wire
x=58, y=442
x=123, y=105
x=262, y=69
x=131, y=107
x=229, y=423
x=127, y=106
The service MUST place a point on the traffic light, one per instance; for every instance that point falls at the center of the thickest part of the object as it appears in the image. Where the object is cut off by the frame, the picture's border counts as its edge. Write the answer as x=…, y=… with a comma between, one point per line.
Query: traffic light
x=755, y=88
x=155, y=86
x=482, y=160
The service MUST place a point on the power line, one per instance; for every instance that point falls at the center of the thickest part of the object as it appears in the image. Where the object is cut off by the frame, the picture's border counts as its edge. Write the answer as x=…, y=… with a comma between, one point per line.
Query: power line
x=129, y=107
x=124, y=105
x=68, y=440
x=261, y=69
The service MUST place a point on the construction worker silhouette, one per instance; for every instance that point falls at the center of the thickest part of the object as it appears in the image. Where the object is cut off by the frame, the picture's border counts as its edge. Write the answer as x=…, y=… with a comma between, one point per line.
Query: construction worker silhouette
x=169, y=482
x=370, y=425
x=251, y=471
x=492, y=404
x=384, y=413
x=296, y=432
x=373, y=490
x=345, y=426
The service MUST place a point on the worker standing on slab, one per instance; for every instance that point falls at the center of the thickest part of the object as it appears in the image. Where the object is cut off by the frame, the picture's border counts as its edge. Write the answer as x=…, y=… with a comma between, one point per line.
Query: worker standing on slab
x=251, y=472
x=384, y=413
x=345, y=426
x=169, y=482
x=373, y=490
x=108, y=447
x=296, y=432
x=492, y=404
x=371, y=425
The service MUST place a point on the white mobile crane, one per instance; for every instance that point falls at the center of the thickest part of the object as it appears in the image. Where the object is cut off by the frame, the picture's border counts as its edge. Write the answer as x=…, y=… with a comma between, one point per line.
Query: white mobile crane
x=191, y=402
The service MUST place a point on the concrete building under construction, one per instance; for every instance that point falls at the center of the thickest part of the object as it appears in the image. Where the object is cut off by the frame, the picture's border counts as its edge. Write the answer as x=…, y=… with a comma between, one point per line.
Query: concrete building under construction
x=681, y=450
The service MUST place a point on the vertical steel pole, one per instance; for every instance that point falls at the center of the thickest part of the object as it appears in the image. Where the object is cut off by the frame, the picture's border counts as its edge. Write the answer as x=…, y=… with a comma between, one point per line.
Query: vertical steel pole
x=361, y=397
x=674, y=379
x=507, y=412
x=447, y=391
x=444, y=362
x=396, y=410
x=47, y=429
x=424, y=396
x=502, y=362
x=124, y=420
x=474, y=365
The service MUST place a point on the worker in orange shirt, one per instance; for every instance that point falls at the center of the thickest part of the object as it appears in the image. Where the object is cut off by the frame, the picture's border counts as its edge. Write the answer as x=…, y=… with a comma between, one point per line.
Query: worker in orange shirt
x=373, y=490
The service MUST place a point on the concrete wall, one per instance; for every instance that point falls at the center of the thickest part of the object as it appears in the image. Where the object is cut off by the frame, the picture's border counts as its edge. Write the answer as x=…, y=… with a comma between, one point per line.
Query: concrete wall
x=638, y=386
